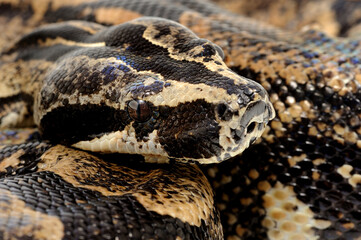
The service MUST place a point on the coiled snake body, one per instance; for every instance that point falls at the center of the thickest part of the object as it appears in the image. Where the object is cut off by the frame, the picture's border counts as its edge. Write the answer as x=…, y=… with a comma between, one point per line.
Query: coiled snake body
x=152, y=87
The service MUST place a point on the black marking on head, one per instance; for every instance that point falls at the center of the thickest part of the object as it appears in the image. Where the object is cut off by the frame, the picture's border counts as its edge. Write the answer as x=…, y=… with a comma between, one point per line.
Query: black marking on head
x=237, y=135
x=208, y=51
x=224, y=112
x=126, y=43
x=74, y=123
x=85, y=78
x=163, y=31
x=189, y=130
x=146, y=56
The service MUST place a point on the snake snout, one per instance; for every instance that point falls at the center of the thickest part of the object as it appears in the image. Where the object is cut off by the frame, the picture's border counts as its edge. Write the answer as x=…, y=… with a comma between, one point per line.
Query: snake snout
x=256, y=113
x=243, y=120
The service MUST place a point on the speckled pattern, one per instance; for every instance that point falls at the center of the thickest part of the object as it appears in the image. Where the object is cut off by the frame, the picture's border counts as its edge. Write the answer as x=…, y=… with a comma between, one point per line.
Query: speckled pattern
x=301, y=180
x=54, y=192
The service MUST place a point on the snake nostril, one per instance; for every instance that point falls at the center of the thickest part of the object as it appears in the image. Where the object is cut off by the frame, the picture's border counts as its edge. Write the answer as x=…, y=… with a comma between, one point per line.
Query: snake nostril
x=251, y=127
x=221, y=110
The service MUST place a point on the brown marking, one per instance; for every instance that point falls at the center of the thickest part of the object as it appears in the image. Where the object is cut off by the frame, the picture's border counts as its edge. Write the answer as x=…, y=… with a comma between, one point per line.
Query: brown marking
x=339, y=129
x=91, y=28
x=277, y=125
x=279, y=214
x=12, y=2
x=268, y=201
x=240, y=230
x=280, y=195
x=295, y=110
x=114, y=16
x=285, y=117
x=195, y=22
x=306, y=105
x=354, y=180
x=345, y=170
x=316, y=175
x=268, y=223
x=312, y=131
x=11, y=161
x=358, y=78
x=288, y=206
x=246, y=201
x=351, y=137
x=61, y=41
x=349, y=225
x=67, y=3
x=21, y=76
x=322, y=224
x=18, y=28
x=336, y=84
x=232, y=219
x=289, y=226
x=264, y=186
x=295, y=159
x=253, y=173
x=290, y=100
x=300, y=218
x=14, y=115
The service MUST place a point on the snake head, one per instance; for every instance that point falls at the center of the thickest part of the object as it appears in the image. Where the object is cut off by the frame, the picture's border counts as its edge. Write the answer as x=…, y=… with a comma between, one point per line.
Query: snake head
x=154, y=89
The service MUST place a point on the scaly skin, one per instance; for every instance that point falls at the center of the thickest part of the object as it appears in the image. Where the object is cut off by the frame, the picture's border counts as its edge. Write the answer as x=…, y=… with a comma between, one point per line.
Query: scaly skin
x=302, y=178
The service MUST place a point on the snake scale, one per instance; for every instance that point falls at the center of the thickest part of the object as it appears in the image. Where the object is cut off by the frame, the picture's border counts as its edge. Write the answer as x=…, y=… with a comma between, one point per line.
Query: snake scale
x=181, y=100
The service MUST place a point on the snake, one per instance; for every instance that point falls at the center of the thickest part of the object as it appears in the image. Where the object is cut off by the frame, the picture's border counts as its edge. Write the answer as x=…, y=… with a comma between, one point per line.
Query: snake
x=186, y=99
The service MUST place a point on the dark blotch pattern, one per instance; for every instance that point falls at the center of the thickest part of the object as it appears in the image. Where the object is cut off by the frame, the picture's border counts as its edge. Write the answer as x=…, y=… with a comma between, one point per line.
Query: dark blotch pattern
x=183, y=130
x=81, y=122
x=80, y=210
x=149, y=57
x=32, y=150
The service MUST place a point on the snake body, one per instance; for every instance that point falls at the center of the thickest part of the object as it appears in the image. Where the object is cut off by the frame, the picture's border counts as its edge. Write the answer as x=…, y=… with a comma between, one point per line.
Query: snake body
x=301, y=179
x=148, y=86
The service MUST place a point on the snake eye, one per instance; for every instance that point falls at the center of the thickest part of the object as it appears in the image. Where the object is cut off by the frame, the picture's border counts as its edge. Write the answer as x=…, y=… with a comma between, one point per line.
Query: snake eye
x=139, y=110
